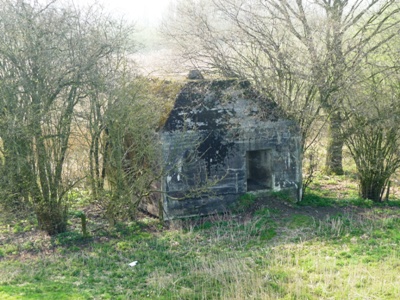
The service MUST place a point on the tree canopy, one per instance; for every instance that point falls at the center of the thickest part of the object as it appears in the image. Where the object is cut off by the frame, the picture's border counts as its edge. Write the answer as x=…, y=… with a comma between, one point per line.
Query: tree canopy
x=303, y=54
x=49, y=58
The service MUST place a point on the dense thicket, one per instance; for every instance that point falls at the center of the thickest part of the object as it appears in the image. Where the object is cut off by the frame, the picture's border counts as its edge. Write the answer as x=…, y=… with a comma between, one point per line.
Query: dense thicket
x=304, y=54
x=74, y=113
x=311, y=57
x=372, y=128
x=65, y=77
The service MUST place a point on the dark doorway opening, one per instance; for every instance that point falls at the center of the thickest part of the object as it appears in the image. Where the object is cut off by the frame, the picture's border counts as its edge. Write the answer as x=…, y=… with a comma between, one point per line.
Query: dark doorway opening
x=259, y=170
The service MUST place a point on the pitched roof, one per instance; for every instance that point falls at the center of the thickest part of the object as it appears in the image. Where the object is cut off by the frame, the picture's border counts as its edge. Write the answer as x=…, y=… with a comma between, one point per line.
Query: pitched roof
x=211, y=104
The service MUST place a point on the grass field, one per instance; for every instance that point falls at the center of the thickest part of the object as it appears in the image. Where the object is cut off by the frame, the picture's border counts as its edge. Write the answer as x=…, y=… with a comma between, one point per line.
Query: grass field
x=332, y=246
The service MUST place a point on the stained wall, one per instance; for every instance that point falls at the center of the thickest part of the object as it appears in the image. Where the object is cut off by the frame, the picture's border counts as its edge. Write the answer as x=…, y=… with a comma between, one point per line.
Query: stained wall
x=221, y=140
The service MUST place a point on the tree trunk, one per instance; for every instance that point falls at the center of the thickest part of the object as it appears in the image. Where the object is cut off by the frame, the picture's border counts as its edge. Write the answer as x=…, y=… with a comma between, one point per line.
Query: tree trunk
x=334, y=151
x=372, y=188
x=15, y=172
x=52, y=220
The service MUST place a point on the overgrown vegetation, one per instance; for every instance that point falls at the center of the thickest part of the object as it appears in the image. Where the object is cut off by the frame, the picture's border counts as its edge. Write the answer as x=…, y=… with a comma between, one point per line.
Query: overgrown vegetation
x=73, y=113
x=333, y=246
x=50, y=57
x=78, y=153
x=372, y=133
x=305, y=55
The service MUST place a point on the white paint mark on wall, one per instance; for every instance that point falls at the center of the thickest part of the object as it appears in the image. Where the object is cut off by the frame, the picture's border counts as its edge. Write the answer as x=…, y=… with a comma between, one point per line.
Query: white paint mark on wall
x=237, y=183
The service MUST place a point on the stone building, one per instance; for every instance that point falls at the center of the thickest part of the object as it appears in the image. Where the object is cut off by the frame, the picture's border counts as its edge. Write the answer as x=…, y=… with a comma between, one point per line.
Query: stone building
x=221, y=140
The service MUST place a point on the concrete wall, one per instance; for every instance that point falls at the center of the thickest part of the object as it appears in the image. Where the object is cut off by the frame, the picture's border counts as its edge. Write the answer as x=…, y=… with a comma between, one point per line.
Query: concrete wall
x=210, y=143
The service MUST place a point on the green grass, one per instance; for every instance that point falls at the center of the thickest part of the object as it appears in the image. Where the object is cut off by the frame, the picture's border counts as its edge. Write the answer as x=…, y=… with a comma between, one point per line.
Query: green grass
x=328, y=191
x=267, y=253
x=343, y=257
x=245, y=202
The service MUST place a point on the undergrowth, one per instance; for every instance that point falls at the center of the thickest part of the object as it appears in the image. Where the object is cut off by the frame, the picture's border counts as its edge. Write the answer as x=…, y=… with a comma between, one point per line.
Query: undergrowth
x=260, y=251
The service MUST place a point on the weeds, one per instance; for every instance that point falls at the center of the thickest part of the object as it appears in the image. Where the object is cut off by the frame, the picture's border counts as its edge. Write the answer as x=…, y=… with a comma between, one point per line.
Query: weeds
x=266, y=252
x=245, y=202
x=227, y=259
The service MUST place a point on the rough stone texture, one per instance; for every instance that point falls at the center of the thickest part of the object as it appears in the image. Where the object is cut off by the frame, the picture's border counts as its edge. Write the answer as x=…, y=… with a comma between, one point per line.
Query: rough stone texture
x=221, y=140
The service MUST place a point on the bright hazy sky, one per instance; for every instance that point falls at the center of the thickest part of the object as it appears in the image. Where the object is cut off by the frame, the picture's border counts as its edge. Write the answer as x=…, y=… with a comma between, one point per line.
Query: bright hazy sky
x=146, y=12
x=143, y=12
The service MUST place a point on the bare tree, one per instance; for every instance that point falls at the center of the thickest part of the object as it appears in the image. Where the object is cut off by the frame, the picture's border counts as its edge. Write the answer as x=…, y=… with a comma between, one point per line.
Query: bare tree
x=124, y=157
x=373, y=134
x=302, y=53
x=48, y=54
x=372, y=127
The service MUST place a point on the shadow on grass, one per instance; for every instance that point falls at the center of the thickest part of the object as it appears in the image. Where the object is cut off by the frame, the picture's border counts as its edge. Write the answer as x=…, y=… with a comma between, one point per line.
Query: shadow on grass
x=315, y=199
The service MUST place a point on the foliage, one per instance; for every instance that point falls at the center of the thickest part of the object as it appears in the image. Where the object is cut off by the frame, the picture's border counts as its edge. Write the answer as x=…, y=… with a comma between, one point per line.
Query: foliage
x=374, y=134
x=302, y=54
x=245, y=202
x=268, y=255
x=49, y=54
x=120, y=123
x=124, y=156
x=342, y=192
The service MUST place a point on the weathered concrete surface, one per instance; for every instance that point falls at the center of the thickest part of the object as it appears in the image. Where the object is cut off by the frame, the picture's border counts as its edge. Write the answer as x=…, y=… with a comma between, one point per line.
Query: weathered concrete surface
x=221, y=140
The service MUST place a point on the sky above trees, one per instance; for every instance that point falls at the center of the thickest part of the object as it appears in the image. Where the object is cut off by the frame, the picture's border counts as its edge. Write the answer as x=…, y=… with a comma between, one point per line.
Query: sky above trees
x=145, y=13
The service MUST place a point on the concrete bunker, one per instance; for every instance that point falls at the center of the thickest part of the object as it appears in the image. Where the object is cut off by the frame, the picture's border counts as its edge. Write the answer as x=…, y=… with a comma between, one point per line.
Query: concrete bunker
x=221, y=140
